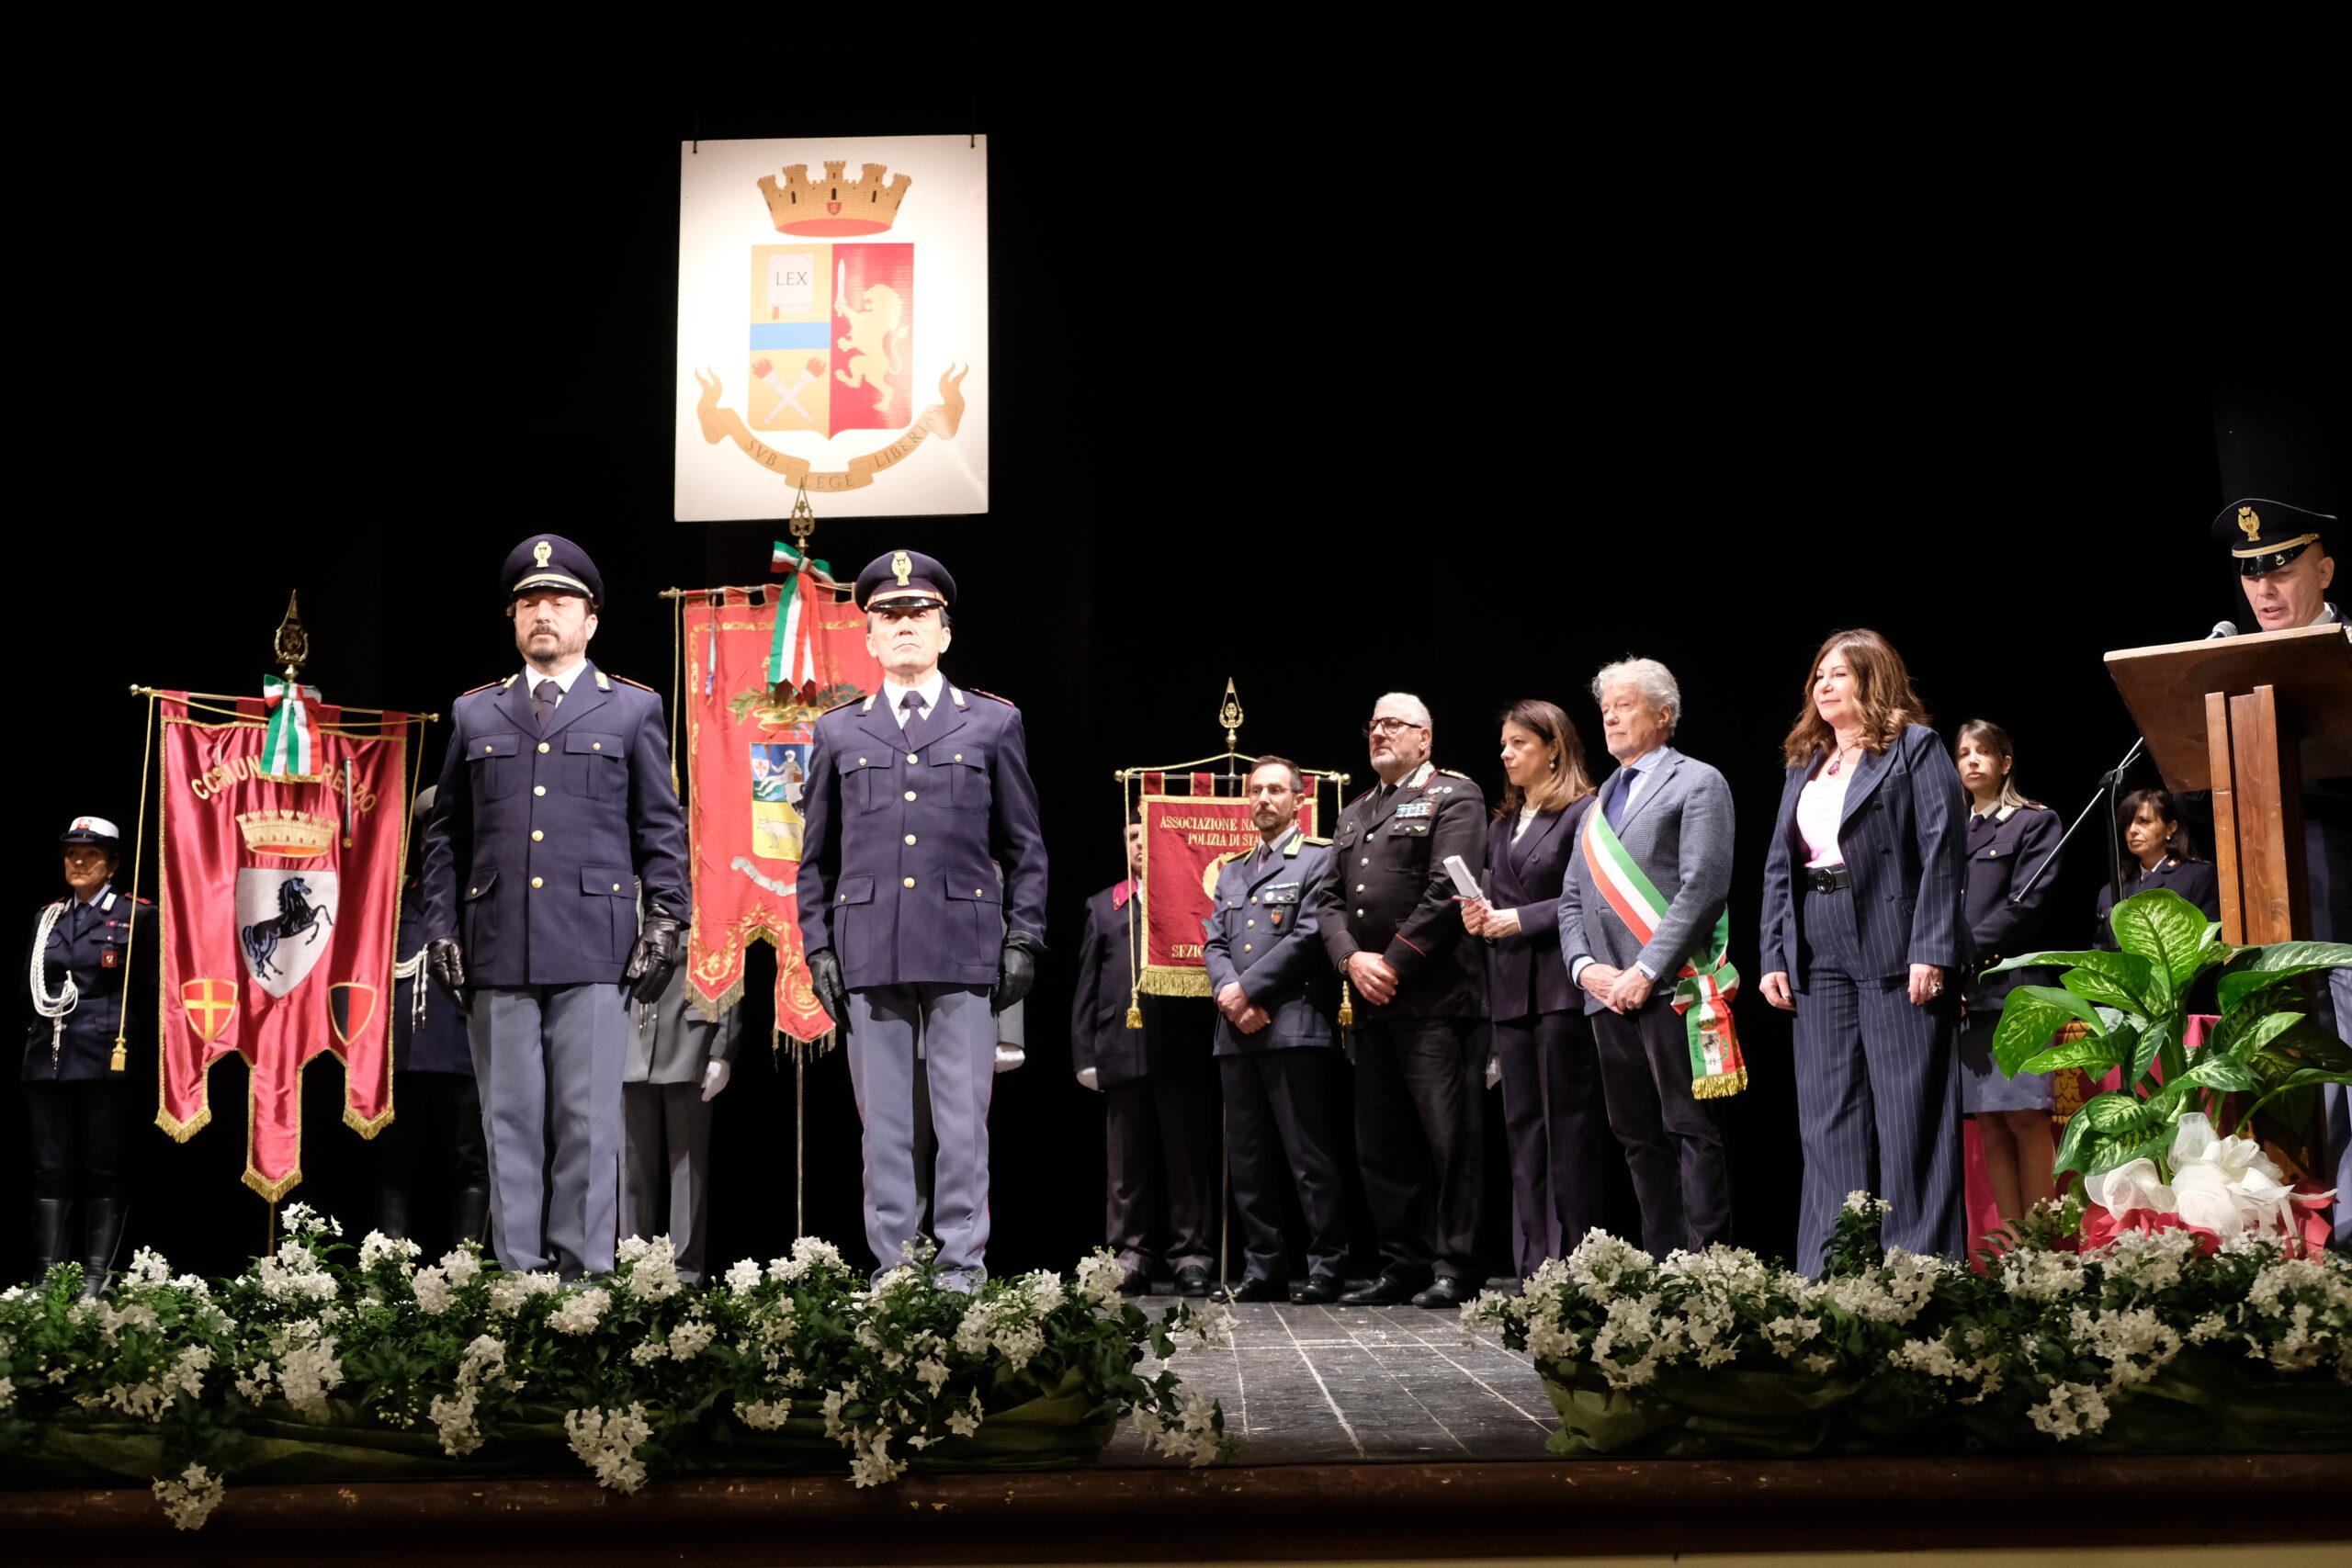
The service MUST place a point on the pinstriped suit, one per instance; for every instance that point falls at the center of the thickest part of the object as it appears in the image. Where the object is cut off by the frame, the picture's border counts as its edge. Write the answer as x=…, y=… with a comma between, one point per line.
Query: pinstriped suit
x=1878, y=1082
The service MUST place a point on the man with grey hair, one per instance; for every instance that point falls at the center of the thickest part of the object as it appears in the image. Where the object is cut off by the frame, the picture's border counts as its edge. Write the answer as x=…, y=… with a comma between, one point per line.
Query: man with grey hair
x=1387, y=916
x=1642, y=925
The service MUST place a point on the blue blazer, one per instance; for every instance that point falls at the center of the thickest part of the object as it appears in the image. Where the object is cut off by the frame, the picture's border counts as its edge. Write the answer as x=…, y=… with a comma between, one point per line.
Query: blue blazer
x=1528, y=974
x=1260, y=932
x=1904, y=839
x=895, y=872
x=539, y=837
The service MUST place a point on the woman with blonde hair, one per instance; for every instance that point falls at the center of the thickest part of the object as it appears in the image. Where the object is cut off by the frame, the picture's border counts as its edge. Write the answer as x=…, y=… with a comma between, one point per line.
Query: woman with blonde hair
x=1864, y=936
x=1552, y=1117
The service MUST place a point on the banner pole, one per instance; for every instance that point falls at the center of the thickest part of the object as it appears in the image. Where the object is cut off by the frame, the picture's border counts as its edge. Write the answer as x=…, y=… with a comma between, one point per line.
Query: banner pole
x=799, y=1135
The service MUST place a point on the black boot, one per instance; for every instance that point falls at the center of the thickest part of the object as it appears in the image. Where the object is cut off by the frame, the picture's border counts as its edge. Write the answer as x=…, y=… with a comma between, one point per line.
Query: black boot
x=470, y=1216
x=392, y=1212
x=52, y=1222
x=101, y=1239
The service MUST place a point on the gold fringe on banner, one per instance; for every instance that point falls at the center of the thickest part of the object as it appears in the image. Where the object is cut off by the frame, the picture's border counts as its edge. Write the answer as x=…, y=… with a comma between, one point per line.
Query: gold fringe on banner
x=1168, y=980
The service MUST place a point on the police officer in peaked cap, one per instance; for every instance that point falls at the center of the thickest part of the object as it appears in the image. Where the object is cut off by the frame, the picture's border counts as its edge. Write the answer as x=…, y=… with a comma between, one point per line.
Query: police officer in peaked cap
x=554, y=806
x=2286, y=569
x=912, y=937
x=79, y=1103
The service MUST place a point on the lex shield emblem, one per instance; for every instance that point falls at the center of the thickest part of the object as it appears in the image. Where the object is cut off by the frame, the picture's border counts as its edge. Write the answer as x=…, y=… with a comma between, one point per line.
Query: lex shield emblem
x=352, y=1004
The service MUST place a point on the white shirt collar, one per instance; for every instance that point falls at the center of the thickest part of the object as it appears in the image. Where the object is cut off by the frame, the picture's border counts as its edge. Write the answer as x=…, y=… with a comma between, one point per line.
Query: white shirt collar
x=531, y=677
x=98, y=900
x=894, y=694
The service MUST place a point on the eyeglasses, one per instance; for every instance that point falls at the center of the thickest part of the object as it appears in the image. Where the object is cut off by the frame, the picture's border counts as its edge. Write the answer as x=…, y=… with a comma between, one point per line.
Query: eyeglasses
x=1390, y=727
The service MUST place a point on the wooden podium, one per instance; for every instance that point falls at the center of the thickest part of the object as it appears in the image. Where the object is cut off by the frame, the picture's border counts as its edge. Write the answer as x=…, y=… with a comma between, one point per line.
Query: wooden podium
x=2250, y=718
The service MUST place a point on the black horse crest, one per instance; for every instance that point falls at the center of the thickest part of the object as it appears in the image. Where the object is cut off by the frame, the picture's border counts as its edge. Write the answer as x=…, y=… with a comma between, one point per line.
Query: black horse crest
x=297, y=915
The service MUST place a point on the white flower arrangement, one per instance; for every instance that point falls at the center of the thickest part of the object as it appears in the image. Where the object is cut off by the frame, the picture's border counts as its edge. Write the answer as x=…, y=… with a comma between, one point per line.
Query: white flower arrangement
x=642, y=1373
x=1889, y=1348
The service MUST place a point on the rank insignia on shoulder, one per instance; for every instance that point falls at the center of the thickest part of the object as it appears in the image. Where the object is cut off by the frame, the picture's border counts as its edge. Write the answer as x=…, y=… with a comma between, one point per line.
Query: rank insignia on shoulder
x=603, y=684
x=1439, y=789
x=1450, y=773
x=1415, y=808
x=509, y=681
x=1311, y=838
x=624, y=681
x=990, y=695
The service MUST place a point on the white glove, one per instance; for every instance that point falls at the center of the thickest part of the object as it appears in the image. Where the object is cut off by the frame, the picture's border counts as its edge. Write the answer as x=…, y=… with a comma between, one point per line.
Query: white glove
x=1494, y=1071
x=1009, y=1057
x=1089, y=1079
x=713, y=1078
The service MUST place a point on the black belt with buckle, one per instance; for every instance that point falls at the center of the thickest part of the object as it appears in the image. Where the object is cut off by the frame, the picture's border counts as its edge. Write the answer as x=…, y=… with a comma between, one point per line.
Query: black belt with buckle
x=1828, y=878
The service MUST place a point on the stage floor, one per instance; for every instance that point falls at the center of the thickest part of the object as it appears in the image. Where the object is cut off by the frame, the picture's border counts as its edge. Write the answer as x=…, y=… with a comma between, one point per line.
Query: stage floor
x=1362, y=1385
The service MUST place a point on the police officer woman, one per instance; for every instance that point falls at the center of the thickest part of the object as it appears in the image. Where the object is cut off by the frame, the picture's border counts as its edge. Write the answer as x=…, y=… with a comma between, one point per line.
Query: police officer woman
x=2159, y=853
x=79, y=1099
x=2009, y=836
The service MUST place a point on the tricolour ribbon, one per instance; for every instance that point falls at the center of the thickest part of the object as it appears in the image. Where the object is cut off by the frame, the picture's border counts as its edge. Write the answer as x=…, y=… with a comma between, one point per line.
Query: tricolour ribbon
x=1703, y=994
x=289, y=746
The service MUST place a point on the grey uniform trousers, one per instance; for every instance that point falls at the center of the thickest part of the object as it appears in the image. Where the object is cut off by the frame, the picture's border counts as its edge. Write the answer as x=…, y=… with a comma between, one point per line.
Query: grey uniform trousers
x=665, y=1168
x=548, y=1061
x=957, y=1036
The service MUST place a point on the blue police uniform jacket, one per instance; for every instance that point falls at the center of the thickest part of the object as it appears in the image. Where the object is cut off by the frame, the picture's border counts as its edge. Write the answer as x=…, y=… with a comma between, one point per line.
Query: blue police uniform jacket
x=895, y=872
x=428, y=1032
x=1262, y=932
x=1110, y=958
x=91, y=944
x=539, y=837
x=2005, y=848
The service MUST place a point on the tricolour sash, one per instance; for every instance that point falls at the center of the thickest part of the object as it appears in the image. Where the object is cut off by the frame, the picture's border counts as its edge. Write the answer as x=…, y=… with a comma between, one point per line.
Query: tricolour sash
x=1702, y=994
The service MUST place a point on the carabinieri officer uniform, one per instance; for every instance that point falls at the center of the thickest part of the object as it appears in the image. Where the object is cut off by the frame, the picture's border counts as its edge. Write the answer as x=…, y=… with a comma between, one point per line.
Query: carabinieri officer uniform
x=554, y=804
x=912, y=940
x=79, y=1100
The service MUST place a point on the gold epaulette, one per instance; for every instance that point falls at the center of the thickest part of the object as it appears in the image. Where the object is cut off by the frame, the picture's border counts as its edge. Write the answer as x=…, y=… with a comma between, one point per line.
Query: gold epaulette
x=1311, y=838
x=1449, y=772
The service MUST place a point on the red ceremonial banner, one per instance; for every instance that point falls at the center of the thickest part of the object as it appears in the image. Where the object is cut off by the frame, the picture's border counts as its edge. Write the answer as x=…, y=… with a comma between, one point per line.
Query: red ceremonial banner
x=280, y=897
x=747, y=760
x=1183, y=837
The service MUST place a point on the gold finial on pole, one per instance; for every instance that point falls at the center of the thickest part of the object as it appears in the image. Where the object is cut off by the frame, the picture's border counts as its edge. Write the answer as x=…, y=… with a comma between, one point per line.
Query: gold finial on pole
x=803, y=520
x=292, y=644
x=1229, y=716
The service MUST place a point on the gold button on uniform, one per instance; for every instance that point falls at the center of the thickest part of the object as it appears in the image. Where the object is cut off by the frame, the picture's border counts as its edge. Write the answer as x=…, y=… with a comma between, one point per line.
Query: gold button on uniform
x=1359, y=886
x=1249, y=922
x=536, y=835
x=537, y=883
x=910, y=882
x=473, y=892
x=911, y=838
x=1247, y=948
x=978, y=894
x=1359, y=914
x=959, y=756
x=912, y=758
x=539, y=789
x=595, y=745
x=911, y=794
x=543, y=745
x=861, y=761
x=487, y=750
x=616, y=886
x=1366, y=861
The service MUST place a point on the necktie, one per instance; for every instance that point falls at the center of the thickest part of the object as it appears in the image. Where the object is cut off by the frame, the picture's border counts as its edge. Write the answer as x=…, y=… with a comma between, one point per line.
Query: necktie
x=545, y=696
x=911, y=706
x=1619, y=788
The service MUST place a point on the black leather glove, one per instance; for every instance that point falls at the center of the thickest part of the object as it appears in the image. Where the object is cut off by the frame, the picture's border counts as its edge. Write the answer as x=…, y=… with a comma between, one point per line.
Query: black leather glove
x=660, y=944
x=1016, y=972
x=825, y=979
x=447, y=967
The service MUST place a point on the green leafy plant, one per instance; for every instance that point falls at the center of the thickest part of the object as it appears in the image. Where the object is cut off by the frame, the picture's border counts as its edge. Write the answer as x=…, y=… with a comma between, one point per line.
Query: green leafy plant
x=2133, y=1009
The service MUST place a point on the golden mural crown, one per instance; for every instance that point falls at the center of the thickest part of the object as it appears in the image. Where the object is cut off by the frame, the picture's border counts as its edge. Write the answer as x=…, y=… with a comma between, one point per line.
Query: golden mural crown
x=833, y=208
x=294, y=834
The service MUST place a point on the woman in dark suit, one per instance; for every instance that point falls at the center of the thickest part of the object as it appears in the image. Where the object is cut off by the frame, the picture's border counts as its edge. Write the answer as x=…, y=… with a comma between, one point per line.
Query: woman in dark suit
x=1553, y=1116
x=2009, y=836
x=1863, y=935
x=2158, y=852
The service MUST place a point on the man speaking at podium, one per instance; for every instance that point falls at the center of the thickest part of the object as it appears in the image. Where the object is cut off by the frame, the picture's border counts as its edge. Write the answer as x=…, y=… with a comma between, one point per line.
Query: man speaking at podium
x=2284, y=566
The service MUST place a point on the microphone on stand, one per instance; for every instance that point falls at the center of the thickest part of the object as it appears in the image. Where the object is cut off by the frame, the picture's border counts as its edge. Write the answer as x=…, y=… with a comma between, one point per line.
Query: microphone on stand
x=2222, y=629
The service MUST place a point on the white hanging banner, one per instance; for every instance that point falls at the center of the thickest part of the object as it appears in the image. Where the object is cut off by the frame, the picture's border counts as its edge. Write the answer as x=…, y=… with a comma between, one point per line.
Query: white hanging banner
x=832, y=327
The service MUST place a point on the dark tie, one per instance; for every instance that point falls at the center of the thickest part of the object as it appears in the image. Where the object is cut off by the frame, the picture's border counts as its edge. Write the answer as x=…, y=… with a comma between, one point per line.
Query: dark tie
x=545, y=696
x=1619, y=788
x=911, y=706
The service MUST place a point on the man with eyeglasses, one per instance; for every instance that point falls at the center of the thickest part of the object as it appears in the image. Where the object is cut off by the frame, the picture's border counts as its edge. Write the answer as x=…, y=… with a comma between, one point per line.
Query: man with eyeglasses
x=1387, y=916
